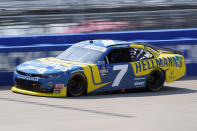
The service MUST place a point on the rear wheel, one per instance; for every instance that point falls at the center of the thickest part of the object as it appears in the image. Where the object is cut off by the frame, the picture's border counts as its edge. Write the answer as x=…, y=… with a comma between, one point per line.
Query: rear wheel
x=155, y=80
x=77, y=85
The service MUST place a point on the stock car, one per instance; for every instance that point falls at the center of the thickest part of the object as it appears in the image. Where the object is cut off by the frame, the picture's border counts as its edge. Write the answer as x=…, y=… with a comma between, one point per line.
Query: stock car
x=94, y=66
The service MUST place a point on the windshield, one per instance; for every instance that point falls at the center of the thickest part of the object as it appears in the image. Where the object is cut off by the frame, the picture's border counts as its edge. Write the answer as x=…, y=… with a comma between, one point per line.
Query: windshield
x=83, y=54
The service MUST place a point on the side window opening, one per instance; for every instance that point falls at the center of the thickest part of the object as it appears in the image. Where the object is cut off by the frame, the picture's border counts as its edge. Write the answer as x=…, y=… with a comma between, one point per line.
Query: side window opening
x=127, y=55
x=118, y=56
x=138, y=54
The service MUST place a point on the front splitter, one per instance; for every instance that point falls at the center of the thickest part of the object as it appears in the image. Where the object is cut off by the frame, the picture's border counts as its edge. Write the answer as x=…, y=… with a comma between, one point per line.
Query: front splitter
x=61, y=93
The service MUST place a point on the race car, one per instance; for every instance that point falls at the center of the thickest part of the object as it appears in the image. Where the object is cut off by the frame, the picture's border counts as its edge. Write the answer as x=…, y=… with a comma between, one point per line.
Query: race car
x=94, y=66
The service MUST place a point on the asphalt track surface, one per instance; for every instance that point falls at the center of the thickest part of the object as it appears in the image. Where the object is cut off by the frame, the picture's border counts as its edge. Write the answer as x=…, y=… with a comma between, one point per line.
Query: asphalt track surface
x=172, y=109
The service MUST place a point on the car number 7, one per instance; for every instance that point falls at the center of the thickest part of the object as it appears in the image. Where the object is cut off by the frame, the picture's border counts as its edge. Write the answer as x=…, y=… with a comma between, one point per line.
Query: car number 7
x=123, y=69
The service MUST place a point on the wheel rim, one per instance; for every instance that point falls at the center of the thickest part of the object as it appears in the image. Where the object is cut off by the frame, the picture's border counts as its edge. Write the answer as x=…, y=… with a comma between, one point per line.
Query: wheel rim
x=154, y=81
x=76, y=85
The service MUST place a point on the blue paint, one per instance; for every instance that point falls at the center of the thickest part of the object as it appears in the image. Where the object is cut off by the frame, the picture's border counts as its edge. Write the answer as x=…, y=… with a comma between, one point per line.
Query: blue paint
x=165, y=62
x=161, y=62
x=138, y=67
x=170, y=61
x=175, y=61
x=144, y=66
x=158, y=63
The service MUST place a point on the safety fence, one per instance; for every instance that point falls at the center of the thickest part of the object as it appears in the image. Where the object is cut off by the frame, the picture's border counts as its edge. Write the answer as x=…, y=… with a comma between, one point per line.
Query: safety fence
x=13, y=23
x=15, y=50
x=78, y=4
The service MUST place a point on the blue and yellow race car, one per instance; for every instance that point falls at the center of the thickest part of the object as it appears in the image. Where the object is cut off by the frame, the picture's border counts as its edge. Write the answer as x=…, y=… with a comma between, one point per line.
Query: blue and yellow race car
x=99, y=65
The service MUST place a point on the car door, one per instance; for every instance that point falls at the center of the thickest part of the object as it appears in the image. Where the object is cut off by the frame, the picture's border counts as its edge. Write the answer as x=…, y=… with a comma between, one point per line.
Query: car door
x=117, y=69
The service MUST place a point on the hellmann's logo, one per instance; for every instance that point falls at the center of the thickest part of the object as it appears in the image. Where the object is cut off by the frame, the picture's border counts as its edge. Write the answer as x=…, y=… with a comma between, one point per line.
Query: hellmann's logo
x=157, y=63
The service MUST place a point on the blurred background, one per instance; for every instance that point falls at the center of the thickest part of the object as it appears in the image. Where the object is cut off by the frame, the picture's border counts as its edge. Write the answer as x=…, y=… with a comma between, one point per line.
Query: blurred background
x=41, y=18
x=34, y=17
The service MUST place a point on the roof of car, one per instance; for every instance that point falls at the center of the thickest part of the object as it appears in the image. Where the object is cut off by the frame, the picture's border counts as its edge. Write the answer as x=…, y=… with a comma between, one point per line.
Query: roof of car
x=105, y=42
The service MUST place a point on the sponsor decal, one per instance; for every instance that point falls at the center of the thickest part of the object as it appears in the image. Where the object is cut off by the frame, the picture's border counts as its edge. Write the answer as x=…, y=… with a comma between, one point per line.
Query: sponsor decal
x=92, y=47
x=27, y=78
x=108, y=42
x=58, y=88
x=59, y=85
x=177, y=58
x=139, y=84
x=98, y=48
x=139, y=81
x=141, y=66
x=171, y=75
x=139, y=78
x=103, y=70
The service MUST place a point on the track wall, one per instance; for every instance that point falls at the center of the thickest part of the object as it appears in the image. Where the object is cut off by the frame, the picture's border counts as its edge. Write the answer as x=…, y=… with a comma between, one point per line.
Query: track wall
x=15, y=50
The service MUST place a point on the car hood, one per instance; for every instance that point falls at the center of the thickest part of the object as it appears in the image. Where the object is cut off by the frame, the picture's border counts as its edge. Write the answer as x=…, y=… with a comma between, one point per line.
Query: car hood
x=44, y=66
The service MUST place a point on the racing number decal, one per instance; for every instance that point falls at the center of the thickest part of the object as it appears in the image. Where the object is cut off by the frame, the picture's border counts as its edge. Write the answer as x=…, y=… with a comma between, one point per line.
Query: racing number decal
x=123, y=69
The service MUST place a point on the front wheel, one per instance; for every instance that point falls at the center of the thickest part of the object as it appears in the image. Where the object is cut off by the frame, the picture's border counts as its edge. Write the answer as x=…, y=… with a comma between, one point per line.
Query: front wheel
x=155, y=80
x=77, y=85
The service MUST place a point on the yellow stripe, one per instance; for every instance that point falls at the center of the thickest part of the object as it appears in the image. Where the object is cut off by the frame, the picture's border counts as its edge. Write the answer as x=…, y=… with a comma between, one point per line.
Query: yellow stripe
x=96, y=74
x=136, y=46
x=63, y=92
x=91, y=86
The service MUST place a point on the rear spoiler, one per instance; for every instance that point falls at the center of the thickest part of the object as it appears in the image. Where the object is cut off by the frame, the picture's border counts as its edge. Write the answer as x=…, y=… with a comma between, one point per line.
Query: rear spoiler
x=165, y=49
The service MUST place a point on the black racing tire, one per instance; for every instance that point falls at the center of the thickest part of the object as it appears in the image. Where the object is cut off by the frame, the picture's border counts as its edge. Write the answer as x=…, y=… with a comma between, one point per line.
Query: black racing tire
x=77, y=85
x=155, y=80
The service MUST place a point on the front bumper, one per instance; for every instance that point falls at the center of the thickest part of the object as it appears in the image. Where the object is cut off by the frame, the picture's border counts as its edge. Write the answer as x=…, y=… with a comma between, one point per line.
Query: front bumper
x=60, y=93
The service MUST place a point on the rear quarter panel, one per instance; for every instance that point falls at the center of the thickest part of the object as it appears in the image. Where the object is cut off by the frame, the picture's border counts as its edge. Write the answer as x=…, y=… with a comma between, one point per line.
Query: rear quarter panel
x=173, y=65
